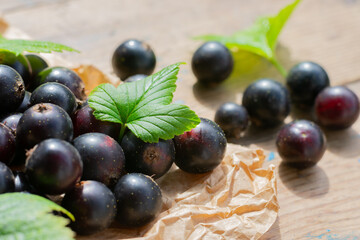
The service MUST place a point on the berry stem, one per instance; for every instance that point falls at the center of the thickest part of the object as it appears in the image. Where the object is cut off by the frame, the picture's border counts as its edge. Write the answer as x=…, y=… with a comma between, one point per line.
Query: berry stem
x=122, y=131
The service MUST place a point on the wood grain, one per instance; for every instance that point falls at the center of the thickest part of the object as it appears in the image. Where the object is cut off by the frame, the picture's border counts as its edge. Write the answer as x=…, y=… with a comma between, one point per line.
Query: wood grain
x=317, y=203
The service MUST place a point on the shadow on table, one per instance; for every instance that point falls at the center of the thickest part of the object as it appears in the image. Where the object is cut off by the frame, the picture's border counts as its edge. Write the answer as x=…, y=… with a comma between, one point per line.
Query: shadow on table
x=248, y=68
x=308, y=183
x=344, y=143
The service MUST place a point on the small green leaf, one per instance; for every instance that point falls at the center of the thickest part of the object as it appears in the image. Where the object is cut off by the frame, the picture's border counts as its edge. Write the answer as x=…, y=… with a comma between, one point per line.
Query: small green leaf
x=27, y=216
x=162, y=121
x=18, y=46
x=260, y=38
x=145, y=106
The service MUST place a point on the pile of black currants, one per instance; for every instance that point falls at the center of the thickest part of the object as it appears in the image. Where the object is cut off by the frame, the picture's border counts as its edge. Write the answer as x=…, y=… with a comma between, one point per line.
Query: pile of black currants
x=51, y=144
x=266, y=103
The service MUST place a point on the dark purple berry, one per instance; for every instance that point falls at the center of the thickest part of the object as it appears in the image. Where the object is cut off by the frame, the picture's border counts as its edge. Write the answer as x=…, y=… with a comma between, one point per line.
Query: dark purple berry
x=21, y=65
x=133, y=57
x=64, y=76
x=55, y=93
x=7, y=144
x=12, y=89
x=102, y=156
x=153, y=159
x=11, y=121
x=135, y=78
x=37, y=64
x=42, y=121
x=6, y=179
x=337, y=107
x=54, y=166
x=93, y=206
x=212, y=63
x=232, y=118
x=267, y=103
x=304, y=81
x=25, y=103
x=202, y=149
x=301, y=144
x=22, y=184
x=84, y=122
x=139, y=200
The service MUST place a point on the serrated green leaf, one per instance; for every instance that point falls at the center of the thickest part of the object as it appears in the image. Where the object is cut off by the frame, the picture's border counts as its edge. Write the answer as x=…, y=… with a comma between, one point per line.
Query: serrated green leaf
x=162, y=121
x=27, y=216
x=260, y=38
x=18, y=46
x=145, y=106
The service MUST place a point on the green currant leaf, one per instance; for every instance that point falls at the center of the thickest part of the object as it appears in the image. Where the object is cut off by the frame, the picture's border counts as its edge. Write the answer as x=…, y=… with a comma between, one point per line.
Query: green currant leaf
x=18, y=46
x=260, y=38
x=27, y=216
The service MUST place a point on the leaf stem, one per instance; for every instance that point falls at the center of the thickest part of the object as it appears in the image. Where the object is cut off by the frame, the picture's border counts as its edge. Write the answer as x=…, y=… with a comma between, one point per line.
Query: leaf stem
x=122, y=131
x=279, y=67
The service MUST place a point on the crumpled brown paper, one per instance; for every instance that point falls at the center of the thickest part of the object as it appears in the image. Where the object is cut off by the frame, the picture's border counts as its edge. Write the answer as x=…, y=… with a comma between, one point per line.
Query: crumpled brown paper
x=237, y=200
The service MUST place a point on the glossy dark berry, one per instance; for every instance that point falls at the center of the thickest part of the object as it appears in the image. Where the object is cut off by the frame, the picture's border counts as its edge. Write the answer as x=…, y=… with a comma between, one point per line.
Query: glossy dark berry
x=304, y=81
x=202, y=149
x=42, y=121
x=55, y=93
x=267, y=103
x=301, y=144
x=6, y=179
x=25, y=103
x=135, y=78
x=153, y=159
x=139, y=200
x=54, y=166
x=37, y=64
x=337, y=107
x=11, y=121
x=12, y=89
x=232, y=118
x=93, y=206
x=22, y=184
x=212, y=63
x=102, y=156
x=64, y=76
x=7, y=144
x=22, y=66
x=133, y=57
x=85, y=122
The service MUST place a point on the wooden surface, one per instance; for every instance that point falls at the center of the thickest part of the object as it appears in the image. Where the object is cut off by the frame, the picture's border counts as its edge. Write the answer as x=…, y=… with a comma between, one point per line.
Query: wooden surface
x=318, y=203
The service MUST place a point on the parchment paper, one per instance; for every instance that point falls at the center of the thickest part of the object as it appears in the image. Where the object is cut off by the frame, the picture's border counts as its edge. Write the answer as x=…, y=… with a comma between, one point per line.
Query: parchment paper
x=237, y=200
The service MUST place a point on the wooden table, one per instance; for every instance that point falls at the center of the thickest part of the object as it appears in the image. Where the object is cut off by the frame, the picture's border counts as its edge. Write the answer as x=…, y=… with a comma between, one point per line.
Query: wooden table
x=319, y=203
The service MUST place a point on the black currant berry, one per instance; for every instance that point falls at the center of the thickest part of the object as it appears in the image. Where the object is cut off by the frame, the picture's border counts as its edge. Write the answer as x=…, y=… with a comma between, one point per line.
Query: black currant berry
x=22, y=66
x=11, y=121
x=25, y=103
x=139, y=200
x=301, y=144
x=22, y=184
x=232, y=118
x=37, y=64
x=7, y=144
x=337, y=107
x=84, y=122
x=42, y=121
x=93, y=206
x=212, y=63
x=153, y=159
x=7, y=183
x=304, y=81
x=102, y=156
x=64, y=76
x=55, y=93
x=133, y=57
x=202, y=149
x=267, y=103
x=12, y=89
x=135, y=78
x=54, y=166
